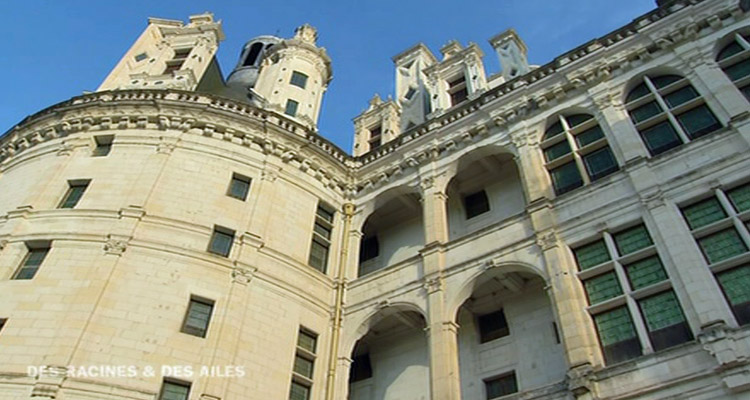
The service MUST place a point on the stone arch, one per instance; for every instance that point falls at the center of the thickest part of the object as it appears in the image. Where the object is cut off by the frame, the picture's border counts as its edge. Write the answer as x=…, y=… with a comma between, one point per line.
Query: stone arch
x=378, y=313
x=727, y=39
x=637, y=79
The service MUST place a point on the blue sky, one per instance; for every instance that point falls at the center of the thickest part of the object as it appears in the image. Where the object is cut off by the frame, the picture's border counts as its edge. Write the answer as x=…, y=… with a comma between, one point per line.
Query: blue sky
x=53, y=50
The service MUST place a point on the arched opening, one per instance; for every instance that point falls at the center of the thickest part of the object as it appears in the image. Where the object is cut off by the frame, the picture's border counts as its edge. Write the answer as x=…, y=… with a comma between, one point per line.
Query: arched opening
x=252, y=55
x=507, y=340
x=487, y=189
x=391, y=360
x=392, y=233
x=734, y=60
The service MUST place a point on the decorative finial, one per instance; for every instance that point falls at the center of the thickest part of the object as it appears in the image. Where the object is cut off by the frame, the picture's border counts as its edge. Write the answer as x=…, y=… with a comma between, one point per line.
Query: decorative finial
x=306, y=33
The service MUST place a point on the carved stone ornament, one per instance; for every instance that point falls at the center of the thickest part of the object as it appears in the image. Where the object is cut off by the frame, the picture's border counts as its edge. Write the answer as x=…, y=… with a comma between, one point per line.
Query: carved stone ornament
x=434, y=285
x=115, y=246
x=580, y=380
x=242, y=275
x=652, y=199
x=547, y=240
x=65, y=149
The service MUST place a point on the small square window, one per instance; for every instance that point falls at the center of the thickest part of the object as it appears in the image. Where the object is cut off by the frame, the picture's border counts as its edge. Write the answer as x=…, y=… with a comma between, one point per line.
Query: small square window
x=664, y=320
x=31, y=262
x=591, y=255
x=698, y=121
x=299, y=391
x=735, y=283
x=369, y=249
x=291, y=108
x=600, y=163
x=410, y=93
x=660, y=138
x=492, y=326
x=476, y=204
x=140, y=57
x=174, y=390
x=566, y=178
x=617, y=335
x=298, y=79
x=198, y=317
x=103, y=145
x=632, y=240
x=704, y=213
x=501, y=386
x=239, y=187
x=221, y=241
x=74, y=193
x=307, y=341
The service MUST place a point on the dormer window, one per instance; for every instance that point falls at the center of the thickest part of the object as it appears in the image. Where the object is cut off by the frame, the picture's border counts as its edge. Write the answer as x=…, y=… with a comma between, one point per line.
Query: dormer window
x=457, y=89
x=375, y=137
x=298, y=79
x=410, y=94
x=252, y=56
x=291, y=108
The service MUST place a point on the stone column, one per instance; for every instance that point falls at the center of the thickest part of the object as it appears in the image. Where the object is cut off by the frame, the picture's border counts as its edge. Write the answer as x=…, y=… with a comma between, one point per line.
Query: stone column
x=344, y=365
x=615, y=121
x=434, y=210
x=531, y=165
x=442, y=339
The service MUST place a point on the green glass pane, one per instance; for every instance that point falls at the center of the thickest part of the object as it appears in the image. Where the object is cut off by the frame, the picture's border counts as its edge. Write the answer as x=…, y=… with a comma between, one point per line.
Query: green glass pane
x=35, y=257
x=591, y=255
x=645, y=272
x=665, y=80
x=698, y=121
x=638, y=92
x=722, y=245
x=680, y=96
x=578, y=119
x=589, y=136
x=645, y=112
x=556, y=151
x=731, y=49
x=704, y=213
x=172, y=391
x=73, y=196
x=299, y=392
x=661, y=311
x=554, y=130
x=740, y=198
x=739, y=70
x=307, y=341
x=603, y=287
x=318, y=256
x=303, y=366
x=746, y=91
x=566, y=178
x=322, y=230
x=660, y=138
x=736, y=284
x=221, y=243
x=600, y=163
x=632, y=239
x=614, y=326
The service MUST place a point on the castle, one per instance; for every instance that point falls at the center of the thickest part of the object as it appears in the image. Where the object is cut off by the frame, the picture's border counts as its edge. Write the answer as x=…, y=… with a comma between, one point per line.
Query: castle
x=575, y=230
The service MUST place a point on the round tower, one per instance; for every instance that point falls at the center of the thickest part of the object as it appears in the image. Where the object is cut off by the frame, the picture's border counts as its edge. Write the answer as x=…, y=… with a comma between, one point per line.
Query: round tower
x=293, y=76
x=245, y=73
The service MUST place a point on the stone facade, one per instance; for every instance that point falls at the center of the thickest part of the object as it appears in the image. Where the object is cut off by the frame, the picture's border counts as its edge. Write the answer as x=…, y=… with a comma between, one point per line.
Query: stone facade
x=577, y=230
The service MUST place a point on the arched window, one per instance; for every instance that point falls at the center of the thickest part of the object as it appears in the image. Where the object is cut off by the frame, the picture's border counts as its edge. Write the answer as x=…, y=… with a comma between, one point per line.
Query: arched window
x=734, y=59
x=253, y=54
x=576, y=152
x=667, y=111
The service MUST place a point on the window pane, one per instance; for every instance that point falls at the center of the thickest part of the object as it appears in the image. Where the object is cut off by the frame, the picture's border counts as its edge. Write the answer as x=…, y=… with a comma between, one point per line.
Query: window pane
x=732, y=49
x=645, y=112
x=722, y=245
x=600, y=163
x=221, y=243
x=557, y=150
x=740, y=198
x=698, y=121
x=665, y=80
x=554, y=130
x=198, y=317
x=325, y=214
x=660, y=138
x=31, y=263
x=73, y=195
x=291, y=108
x=637, y=92
x=704, y=213
x=680, y=96
x=633, y=239
x=746, y=91
x=566, y=178
x=299, y=79
x=173, y=391
x=617, y=335
x=307, y=341
x=318, y=256
x=645, y=272
x=239, y=188
x=578, y=119
x=589, y=136
x=492, y=326
x=665, y=321
x=303, y=366
x=501, y=386
x=591, y=255
x=299, y=392
x=736, y=286
x=603, y=287
x=739, y=70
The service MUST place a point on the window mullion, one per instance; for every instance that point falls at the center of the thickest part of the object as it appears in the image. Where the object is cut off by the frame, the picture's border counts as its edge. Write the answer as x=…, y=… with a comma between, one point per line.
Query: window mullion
x=742, y=42
x=665, y=109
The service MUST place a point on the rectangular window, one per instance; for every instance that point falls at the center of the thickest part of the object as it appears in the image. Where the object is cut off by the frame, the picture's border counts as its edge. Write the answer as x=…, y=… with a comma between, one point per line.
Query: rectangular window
x=632, y=240
x=75, y=192
x=664, y=320
x=501, y=386
x=291, y=108
x=174, y=390
x=566, y=178
x=492, y=326
x=740, y=198
x=304, y=363
x=298, y=79
x=698, y=121
x=645, y=112
x=660, y=138
x=31, y=262
x=602, y=287
x=722, y=245
x=198, y=317
x=735, y=284
x=557, y=150
x=600, y=163
x=369, y=249
x=589, y=136
x=591, y=255
x=321, y=240
x=239, y=187
x=704, y=213
x=476, y=204
x=103, y=145
x=376, y=138
x=645, y=272
x=180, y=55
x=221, y=241
x=457, y=90
x=617, y=335
x=680, y=96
